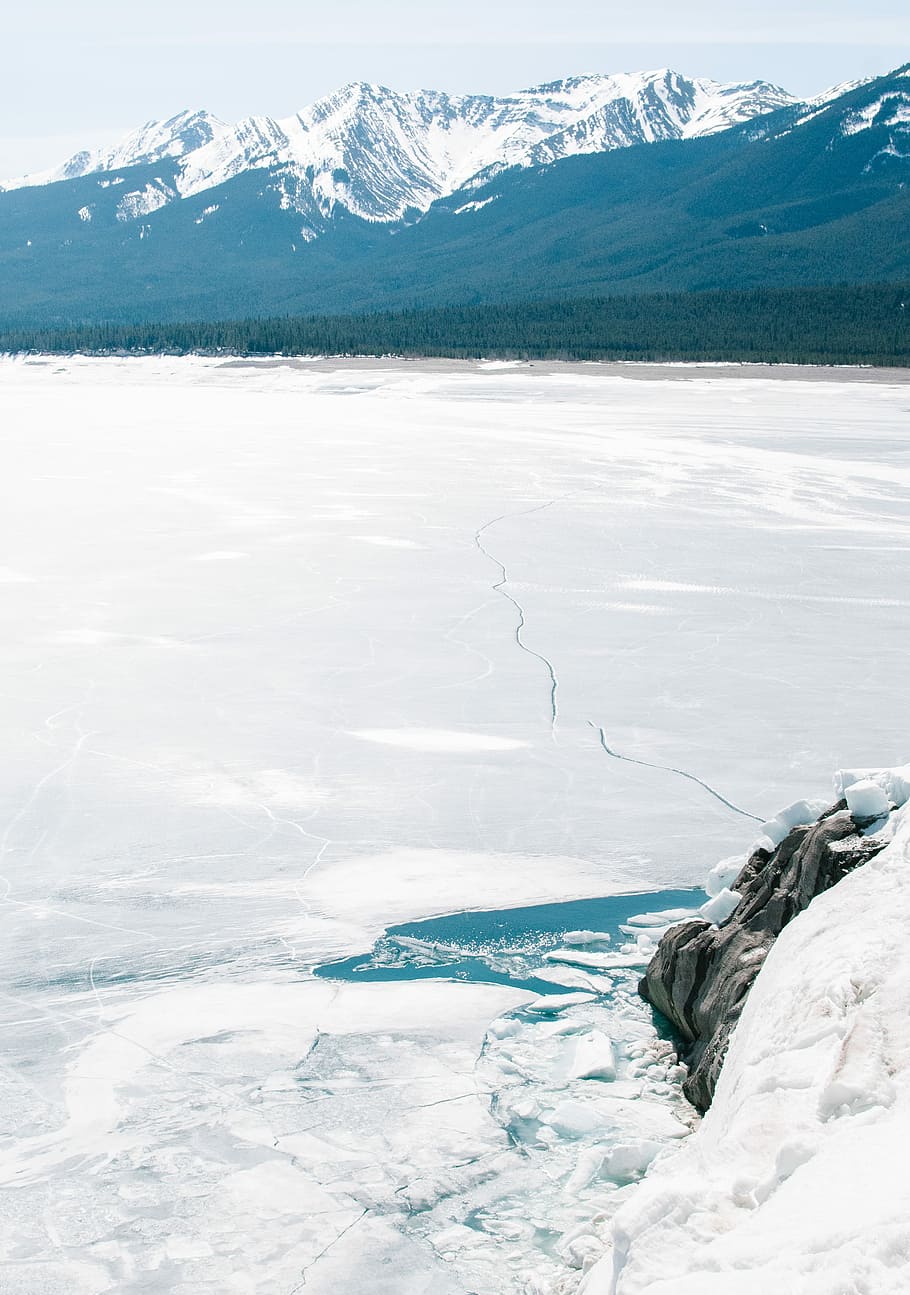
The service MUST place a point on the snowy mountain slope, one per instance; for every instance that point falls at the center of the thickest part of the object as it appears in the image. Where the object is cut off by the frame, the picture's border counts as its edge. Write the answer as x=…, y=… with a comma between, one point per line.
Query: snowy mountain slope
x=176, y=137
x=666, y=107
x=889, y=108
x=795, y=1180
x=380, y=154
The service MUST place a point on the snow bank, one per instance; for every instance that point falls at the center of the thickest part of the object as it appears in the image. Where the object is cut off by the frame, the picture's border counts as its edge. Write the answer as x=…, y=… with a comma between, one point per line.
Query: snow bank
x=795, y=1181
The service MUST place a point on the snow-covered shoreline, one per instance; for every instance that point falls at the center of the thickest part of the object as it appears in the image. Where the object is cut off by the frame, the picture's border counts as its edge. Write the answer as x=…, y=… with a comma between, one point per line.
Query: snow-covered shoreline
x=641, y=370
x=793, y=1181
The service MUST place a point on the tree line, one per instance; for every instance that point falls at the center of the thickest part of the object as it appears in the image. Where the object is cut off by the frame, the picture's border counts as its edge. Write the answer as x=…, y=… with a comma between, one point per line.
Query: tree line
x=848, y=324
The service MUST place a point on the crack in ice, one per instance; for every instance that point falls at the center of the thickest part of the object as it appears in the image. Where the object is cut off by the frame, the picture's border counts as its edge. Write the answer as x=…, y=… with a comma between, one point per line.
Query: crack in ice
x=499, y=588
x=322, y=1253
x=325, y=844
x=666, y=768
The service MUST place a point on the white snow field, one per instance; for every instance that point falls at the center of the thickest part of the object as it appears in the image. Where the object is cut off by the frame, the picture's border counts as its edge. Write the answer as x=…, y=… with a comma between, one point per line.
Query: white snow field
x=293, y=651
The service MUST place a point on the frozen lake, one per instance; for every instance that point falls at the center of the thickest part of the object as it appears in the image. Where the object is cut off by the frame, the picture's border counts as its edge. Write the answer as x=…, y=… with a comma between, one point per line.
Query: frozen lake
x=296, y=652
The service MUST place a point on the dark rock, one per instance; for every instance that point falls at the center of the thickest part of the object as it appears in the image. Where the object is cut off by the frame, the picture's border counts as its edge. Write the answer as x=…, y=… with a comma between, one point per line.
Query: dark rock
x=701, y=975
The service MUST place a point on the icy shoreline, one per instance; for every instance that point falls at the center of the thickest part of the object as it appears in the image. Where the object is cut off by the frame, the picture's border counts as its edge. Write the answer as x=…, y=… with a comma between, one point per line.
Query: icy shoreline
x=793, y=1181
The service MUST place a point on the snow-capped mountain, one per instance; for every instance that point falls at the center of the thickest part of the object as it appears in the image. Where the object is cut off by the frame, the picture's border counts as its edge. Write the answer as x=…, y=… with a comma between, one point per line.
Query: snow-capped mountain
x=371, y=200
x=382, y=155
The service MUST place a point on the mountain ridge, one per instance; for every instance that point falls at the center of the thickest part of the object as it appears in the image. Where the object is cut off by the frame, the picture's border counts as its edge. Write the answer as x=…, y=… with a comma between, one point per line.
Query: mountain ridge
x=382, y=154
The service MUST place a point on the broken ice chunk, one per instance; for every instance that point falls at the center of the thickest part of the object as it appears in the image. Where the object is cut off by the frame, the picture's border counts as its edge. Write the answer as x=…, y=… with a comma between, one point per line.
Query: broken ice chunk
x=550, y=1004
x=629, y=957
x=629, y=1159
x=573, y=1119
x=575, y=978
x=894, y=782
x=579, y=958
x=668, y=917
x=591, y=1056
x=586, y=937
x=722, y=906
x=528, y=1109
x=866, y=800
x=587, y=1167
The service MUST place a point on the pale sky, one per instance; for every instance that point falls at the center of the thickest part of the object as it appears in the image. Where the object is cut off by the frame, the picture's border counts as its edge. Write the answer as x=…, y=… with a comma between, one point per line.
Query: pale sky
x=77, y=75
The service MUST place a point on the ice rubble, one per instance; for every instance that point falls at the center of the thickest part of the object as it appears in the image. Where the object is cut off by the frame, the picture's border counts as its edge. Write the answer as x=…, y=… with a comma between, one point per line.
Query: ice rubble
x=592, y=1094
x=794, y=1182
x=583, y=1087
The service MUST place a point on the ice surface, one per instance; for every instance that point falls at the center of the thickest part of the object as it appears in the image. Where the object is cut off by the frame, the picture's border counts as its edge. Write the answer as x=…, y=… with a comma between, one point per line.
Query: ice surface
x=439, y=741
x=197, y=622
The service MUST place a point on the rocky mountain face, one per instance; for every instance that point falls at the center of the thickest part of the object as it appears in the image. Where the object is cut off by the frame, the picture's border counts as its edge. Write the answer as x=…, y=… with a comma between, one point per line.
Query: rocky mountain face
x=702, y=973
x=382, y=155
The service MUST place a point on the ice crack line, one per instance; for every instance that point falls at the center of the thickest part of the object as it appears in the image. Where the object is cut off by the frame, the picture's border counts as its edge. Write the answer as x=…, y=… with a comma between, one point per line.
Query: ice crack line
x=500, y=588
x=665, y=768
x=322, y=1253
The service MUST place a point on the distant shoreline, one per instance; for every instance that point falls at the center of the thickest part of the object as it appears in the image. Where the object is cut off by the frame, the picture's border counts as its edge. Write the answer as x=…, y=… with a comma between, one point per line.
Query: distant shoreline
x=635, y=370
x=856, y=325
x=639, y=370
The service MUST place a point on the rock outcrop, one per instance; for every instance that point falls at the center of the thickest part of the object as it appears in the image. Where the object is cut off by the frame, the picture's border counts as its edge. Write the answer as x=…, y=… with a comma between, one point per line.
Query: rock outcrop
x=701, y=974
